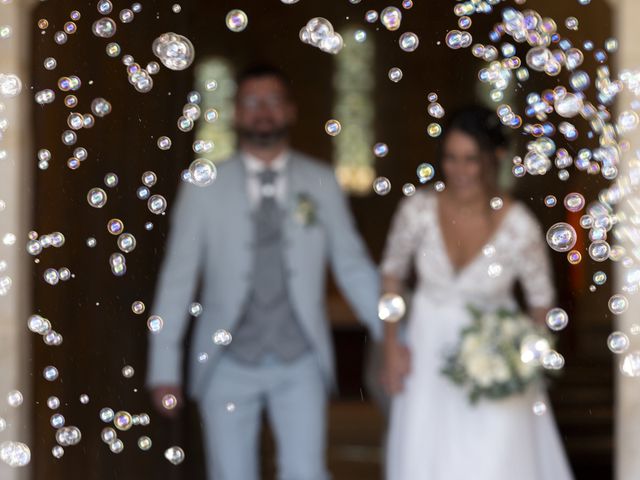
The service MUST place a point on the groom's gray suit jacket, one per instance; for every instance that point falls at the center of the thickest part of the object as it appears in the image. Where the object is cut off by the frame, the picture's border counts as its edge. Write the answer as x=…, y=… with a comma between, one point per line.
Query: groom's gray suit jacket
x=211, y=235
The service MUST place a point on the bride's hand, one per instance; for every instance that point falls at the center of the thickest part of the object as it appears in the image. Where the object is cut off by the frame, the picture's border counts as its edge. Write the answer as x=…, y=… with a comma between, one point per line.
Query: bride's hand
x=397, y=364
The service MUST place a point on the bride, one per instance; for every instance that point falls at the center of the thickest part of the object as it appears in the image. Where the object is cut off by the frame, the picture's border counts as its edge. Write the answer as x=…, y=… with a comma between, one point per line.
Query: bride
x=468, y=245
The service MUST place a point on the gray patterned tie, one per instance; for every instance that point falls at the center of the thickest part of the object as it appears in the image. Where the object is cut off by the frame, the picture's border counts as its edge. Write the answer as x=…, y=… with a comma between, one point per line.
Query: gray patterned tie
x=268, y=279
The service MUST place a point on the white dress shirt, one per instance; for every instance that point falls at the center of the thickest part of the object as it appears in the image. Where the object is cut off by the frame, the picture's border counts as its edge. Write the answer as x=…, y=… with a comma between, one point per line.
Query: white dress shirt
x=254, y=166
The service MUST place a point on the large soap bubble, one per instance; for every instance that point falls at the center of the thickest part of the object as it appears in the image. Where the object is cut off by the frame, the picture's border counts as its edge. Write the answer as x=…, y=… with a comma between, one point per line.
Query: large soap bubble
x=176, y=52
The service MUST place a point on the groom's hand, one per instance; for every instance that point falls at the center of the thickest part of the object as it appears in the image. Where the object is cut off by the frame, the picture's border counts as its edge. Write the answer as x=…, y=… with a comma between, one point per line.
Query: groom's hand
x=160, y=397
x=397, y=365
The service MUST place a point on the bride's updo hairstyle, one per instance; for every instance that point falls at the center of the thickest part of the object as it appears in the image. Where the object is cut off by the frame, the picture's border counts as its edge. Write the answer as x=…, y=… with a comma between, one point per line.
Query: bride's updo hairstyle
x=484, y=127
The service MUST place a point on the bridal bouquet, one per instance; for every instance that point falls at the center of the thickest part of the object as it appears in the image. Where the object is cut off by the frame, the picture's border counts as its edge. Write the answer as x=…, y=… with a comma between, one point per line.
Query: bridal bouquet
x=498, y=355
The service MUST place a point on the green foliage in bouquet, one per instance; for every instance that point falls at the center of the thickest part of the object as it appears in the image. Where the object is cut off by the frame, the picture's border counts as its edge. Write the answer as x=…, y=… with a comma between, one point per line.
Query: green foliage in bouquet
x=488, y=359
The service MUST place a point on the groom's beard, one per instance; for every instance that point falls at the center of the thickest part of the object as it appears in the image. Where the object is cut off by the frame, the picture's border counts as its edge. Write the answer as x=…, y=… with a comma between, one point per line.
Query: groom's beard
x=263, y=138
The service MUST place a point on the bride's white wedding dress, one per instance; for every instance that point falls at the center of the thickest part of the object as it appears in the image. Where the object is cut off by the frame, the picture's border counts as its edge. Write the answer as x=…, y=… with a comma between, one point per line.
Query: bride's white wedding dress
x=435, y=432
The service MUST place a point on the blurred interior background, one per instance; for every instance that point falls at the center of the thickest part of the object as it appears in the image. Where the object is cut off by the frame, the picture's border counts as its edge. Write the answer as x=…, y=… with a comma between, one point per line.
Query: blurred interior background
x=93, y=310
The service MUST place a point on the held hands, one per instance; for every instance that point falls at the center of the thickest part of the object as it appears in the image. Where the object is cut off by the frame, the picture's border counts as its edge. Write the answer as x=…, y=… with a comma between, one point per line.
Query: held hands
x=161, y=401
x=397, y=365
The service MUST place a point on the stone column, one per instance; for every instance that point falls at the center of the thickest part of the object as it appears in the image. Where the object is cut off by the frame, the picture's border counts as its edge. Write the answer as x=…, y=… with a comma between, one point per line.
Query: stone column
x=16, y=164
x=627, y=405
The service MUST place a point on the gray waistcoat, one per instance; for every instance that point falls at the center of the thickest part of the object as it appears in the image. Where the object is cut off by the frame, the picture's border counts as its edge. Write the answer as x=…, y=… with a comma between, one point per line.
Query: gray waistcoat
x=269, y=324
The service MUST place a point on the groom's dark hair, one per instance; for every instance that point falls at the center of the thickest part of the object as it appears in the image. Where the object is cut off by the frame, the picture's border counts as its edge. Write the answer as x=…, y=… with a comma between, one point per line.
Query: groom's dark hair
x=261, y=70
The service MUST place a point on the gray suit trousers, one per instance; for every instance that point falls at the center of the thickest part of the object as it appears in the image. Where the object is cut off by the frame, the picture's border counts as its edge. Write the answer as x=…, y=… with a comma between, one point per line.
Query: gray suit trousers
x=294, y=396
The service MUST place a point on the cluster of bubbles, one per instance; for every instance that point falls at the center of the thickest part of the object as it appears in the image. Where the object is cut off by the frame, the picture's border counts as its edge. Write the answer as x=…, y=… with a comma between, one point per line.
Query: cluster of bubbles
x=36, y=244
x=52, y=276
x=176, y=52
x=318, y=32
x=42, y=326
x=122, y=421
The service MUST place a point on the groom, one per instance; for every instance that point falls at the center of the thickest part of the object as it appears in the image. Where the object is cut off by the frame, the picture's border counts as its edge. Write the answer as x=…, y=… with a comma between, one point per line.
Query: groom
x=261, y=237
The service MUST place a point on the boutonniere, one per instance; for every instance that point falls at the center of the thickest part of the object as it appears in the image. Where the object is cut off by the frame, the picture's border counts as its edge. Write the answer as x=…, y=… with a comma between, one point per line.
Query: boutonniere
x=305, y=213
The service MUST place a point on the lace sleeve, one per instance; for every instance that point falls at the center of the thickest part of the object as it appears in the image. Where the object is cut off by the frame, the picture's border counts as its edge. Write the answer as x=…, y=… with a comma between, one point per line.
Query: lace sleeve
x=403, y=239
x=535, y=272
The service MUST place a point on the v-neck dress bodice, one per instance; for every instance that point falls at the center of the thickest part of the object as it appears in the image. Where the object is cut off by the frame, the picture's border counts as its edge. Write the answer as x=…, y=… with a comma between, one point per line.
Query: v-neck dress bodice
x=435, y=433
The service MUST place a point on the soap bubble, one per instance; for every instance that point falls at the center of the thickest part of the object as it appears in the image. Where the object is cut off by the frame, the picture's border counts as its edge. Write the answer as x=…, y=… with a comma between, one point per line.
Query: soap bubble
x=496, y=203
x=123, y=420
x=175, y=51
x=15, y=398
x=391, y=18
x=155, y=323
x=202, y=172
x=126, y=242
x=561, y=237
x=618, y=304
x=221, y=337
x=236, y=20
x=395, y=74
x=381, y=185
x=118, y=264
x=157, y=204
x=175, y=455
x=320, y=33
x=332, y=127
x=618, y=342
x=391, y=307
x=557, y=319
x=574, y=202
x=409, y=42
x=68, y=436
x=15, y=454
x=144, y=443
x=569, y=105
x=104, y=27
x=630, y=365
x=97, y=197
x=380, y=150
x=10, y=85
x=100, y=107
x=539, y=408
x=425, y=172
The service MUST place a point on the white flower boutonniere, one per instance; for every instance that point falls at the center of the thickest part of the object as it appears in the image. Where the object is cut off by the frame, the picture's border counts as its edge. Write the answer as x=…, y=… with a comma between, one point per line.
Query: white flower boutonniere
x=305, y=212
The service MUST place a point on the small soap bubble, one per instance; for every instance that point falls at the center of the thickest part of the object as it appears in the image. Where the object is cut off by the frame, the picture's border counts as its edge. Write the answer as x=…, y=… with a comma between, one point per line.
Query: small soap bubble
x=155, y=323
x=561, y=237
x=409, y=42
x=195, y=309
x=391, y=18
x=138, y=307
x=157, y=204
x=539, y=408
x=618, y=304
x=496, y=203
x=15, y=398
x=381, y=185
x=395, y=74
x=557, y=319
x=332, y=127
x=425, y=172
x=97, y=197
x=174, y=455
x=391, y=307
x=237, y=20
x=630, y=366
x=434, y=130
x=618, y=342
x=221, y=337
x=408, y=189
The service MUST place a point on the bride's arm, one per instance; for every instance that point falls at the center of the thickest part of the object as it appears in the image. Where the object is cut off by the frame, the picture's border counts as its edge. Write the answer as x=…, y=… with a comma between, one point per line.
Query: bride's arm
x=397, y=357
